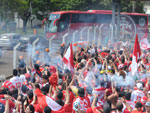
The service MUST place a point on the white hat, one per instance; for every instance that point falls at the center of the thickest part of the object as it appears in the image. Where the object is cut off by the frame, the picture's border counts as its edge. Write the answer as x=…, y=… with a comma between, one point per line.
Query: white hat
x=147, y=104
x=139, y=85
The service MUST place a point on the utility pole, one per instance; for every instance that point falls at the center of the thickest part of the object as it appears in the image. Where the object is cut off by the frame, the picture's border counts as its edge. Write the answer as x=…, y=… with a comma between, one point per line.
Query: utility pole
x=118, y=19
x=113, y=20
x=115, y=6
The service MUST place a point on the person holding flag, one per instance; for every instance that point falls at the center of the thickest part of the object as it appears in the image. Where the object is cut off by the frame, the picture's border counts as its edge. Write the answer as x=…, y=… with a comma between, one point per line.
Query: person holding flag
x=136, y=56
x=68, y=59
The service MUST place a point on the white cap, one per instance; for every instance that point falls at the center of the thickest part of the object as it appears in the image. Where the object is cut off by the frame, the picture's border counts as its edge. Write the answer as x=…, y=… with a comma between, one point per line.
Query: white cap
x=139, y=85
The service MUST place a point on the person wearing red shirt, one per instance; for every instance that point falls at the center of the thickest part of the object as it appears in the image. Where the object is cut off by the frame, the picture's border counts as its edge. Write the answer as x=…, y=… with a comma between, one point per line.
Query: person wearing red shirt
x=10, y=102
x=83, y=100
x=70, y=101
x=138, y=108
x=8, y=84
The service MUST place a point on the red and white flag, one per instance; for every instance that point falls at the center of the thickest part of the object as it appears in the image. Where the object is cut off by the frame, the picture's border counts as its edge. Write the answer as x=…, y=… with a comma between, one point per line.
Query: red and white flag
x=45, y=101
x=144, y=44
x=68, y=58
x=136, y=56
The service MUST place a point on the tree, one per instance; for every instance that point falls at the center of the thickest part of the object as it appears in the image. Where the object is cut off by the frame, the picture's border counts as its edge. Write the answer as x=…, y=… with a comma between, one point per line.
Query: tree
x=24, y=11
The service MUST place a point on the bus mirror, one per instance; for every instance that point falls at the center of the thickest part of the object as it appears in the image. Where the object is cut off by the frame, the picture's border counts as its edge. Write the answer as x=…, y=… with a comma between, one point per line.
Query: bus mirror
x=55, y=22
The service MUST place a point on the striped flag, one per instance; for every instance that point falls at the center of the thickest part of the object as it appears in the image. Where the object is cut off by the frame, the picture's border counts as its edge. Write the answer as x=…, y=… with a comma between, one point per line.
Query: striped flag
x=136, y=56
x=45, y=101
x=68, y=58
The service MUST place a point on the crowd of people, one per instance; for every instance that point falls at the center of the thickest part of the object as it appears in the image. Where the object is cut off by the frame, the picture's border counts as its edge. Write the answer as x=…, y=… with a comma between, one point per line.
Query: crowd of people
x=100, y=83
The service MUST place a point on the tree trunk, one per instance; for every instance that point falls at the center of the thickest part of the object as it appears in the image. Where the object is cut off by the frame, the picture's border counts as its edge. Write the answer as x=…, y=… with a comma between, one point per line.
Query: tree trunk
x=25, y=26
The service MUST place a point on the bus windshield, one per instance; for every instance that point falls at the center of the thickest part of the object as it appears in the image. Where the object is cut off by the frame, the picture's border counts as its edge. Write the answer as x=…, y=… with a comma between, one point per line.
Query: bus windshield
x=54, y=16
x=51, y=28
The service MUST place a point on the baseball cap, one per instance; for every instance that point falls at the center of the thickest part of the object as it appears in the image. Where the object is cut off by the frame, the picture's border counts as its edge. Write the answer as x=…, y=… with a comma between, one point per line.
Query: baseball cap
x=139, y=85
x=148, y=92
x=147, y=104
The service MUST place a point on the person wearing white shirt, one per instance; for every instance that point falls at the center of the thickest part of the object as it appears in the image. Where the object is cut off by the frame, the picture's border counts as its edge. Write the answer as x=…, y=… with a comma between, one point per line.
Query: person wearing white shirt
x=137, y=94
x=16, y=80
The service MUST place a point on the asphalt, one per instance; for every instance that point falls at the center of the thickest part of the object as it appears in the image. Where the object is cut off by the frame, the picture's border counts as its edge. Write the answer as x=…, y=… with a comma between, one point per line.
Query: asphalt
x=6, y=62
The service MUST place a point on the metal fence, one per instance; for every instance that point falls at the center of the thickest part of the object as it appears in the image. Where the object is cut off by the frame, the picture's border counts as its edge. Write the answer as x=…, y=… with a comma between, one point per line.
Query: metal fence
x=101, y=34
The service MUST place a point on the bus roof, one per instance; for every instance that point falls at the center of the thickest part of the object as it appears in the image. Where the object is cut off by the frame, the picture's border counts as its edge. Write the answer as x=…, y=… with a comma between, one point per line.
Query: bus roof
x=96, y=12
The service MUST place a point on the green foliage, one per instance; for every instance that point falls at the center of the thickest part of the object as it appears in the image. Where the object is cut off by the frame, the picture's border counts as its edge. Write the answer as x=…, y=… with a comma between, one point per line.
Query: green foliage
x=127, y=6
x=41, y=8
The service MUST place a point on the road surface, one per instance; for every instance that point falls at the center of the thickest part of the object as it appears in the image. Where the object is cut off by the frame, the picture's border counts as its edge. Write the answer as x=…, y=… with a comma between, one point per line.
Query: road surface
x=6, y=62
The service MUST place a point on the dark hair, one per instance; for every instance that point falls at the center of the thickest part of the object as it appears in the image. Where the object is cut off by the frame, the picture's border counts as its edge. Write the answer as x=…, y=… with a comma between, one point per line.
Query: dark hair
x=79, y=59
x=121, y=94
x=24, y=88
x=45, y=77
x=138, y=105
x=113, y=71
x=128, y=96
x=59, y=95
x=4, y=91
x=15, y=72
x=122, y=59
x=45, y=88
x=36, y=66
x=37, y=85
x=31, y=108
x=85, y=57
x=47, y=109
x=81, y=92
x=117, y=89
x=30, y=94
x=15, y=91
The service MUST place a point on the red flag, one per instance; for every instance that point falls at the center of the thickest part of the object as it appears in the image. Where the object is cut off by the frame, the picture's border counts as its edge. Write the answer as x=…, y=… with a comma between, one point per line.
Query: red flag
x=44, y=101
x=68, y=58
x=136, y=56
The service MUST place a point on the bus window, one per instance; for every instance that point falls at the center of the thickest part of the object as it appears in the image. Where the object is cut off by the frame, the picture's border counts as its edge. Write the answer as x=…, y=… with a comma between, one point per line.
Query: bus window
x=103, y=18
x=51, y=27
x=83, y=18
x=63, y=22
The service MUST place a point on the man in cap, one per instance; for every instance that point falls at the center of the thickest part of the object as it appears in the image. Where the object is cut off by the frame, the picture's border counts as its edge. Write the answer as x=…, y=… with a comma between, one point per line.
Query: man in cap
x=137, y=94
x=147, y=107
